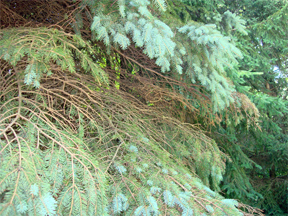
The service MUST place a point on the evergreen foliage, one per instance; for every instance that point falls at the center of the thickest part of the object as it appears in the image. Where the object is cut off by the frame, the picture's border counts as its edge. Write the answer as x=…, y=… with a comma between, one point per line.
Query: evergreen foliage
x=205, y=56
x=46, y=47
x=52, y=136
x=101, y=102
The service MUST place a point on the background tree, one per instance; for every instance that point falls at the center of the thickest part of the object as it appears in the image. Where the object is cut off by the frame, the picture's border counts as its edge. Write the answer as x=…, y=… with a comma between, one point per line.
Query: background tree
x=264, y=50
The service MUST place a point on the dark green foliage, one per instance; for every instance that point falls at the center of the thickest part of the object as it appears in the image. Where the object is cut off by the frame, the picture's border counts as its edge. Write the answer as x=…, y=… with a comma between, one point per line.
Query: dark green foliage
x=265, y=152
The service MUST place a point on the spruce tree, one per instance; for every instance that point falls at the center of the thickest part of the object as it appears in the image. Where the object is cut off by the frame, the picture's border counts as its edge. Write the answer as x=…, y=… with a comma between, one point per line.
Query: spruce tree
x=101, y=103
